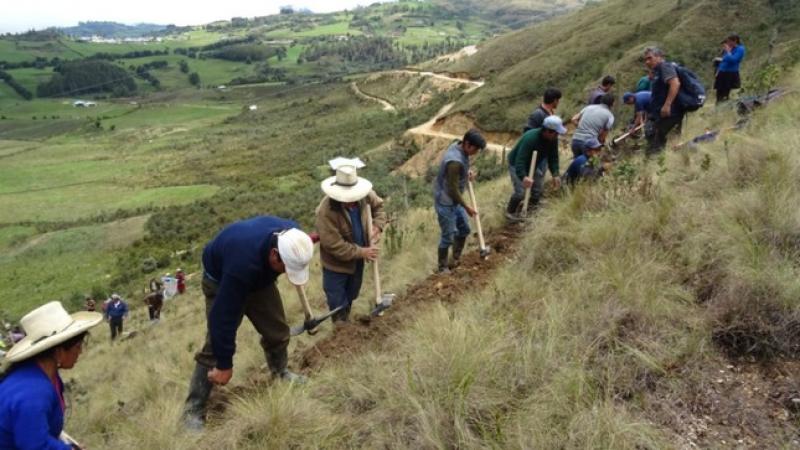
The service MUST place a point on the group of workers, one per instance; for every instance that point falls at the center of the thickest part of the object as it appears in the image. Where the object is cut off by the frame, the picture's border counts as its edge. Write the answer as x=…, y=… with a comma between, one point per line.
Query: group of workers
x=241, y=264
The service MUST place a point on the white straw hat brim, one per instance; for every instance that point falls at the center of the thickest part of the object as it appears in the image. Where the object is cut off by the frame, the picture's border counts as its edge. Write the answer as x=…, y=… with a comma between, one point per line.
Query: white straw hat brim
x=346, y=194
x=29, y=347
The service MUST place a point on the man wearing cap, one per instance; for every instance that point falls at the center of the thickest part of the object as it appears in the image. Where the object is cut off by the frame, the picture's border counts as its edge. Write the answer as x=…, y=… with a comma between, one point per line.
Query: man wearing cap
x=448, y=189
x=641, y=103
x=240, y=268
x=32, y=402
x=345, y=240
x=544, y=140
x=585, y=166
x=594, y=122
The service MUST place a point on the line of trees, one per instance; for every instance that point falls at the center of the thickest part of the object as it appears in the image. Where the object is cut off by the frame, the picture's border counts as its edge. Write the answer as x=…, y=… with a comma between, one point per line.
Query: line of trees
x=129, y=55
x=86, y=77
x=14, y=84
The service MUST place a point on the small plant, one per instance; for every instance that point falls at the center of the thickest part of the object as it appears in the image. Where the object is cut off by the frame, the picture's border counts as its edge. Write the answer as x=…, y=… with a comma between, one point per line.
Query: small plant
x=112, y=127
x=705, y=164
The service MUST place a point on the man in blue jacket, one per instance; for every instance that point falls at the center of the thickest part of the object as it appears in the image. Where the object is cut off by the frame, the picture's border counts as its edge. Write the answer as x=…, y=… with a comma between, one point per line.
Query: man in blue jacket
x=116, y=312
x=240, y=269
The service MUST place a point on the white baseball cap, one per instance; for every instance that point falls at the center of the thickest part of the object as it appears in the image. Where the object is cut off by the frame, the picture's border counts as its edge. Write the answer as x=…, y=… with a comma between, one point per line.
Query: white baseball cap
x=296, y=250
x=554, y=123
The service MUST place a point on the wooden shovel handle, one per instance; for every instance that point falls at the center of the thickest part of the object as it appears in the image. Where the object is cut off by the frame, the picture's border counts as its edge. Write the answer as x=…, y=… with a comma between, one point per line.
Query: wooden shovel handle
x=477, y=215
x=375, y=270
x=301, y=292
x=524, y=212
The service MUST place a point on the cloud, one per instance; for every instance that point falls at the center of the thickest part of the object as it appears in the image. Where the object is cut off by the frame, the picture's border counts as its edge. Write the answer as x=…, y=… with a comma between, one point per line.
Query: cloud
x=24, y=15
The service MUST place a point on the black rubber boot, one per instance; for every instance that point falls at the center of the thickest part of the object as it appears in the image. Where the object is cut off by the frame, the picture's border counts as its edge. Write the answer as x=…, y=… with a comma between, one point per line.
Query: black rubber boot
x=278, y=362
x=443, y=260
x=194, y=410
x=458, y=249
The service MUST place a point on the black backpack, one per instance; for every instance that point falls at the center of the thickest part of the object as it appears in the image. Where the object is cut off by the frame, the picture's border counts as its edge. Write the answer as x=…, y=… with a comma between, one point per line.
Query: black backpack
x=692, y=95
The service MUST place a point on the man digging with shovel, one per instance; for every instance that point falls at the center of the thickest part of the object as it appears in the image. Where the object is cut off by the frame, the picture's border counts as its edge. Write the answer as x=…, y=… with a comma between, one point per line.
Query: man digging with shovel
x=346, y=240
x=240, y=269
x=448, y=189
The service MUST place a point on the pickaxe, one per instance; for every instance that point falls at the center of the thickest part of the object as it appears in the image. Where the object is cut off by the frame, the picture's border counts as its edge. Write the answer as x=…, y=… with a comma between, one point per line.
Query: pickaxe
x=67, y=439
x=485, y=250
x=524, y=213
x=616, y=141
x=310, y=323
x=382, y=301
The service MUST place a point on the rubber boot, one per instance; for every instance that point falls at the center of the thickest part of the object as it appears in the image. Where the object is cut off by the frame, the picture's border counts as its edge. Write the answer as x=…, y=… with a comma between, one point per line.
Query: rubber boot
x=278, y=362
x=194, y=409
x=512, y=209
x=443, y=261
x=458, y=249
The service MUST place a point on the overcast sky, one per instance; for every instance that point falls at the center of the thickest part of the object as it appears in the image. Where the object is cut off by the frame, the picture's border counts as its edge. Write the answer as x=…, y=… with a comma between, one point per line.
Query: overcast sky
x=22, y=15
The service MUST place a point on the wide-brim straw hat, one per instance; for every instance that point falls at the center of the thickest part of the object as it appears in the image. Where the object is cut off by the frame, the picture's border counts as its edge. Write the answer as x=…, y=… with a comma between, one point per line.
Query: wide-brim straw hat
x=47, y=326
x=346, y=186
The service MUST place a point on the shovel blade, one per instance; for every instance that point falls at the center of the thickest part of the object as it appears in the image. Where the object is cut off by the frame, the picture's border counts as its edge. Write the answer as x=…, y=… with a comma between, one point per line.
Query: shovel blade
x=311, y=324
x=386, y=303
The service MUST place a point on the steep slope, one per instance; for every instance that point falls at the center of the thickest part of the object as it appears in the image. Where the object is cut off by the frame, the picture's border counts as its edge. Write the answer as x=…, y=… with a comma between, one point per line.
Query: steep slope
x=574, y=51
x=512, y=13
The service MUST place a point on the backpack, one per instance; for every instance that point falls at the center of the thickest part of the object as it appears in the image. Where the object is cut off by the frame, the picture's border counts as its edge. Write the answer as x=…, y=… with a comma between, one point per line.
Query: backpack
x=692, y=95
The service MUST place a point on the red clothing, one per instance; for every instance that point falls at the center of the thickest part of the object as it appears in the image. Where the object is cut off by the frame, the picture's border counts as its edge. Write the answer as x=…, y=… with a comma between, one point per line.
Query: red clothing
x=181, y=282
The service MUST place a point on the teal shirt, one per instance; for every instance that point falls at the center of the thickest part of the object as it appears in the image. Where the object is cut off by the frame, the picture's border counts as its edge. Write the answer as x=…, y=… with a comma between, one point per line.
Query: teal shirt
x=521, y=154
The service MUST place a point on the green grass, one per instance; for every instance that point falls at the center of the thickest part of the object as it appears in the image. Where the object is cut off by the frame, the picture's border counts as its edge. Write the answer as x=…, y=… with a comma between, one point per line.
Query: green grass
x=35, y=268
x=68, y=203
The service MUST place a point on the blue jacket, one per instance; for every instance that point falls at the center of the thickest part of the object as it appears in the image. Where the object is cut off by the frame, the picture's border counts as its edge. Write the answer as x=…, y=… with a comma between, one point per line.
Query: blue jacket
x=31, y=417
x=731, y=60
x=118, y=311
x=236, y=259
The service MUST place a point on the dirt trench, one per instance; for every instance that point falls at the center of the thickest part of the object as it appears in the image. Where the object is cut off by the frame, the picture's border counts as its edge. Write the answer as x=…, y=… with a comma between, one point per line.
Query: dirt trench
x=366, y=334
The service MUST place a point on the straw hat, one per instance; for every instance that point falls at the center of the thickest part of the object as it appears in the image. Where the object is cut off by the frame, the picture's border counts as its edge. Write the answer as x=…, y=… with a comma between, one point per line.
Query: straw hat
x=48, y=326
x=346, y=186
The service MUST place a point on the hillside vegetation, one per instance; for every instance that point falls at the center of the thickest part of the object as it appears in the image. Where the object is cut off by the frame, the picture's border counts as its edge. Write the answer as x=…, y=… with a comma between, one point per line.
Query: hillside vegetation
x=575, y=51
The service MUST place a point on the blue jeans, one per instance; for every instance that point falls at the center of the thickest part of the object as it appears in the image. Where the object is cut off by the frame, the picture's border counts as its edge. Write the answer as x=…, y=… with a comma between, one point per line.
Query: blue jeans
x=578, y=146
x=342, y=288
x=453, y=222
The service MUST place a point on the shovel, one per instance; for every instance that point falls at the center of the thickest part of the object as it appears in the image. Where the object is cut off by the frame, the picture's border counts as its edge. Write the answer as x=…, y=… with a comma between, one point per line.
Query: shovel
x=484, y=249
x=616, y=141
x=382, y=301
x=524, y=213
x=310, y=323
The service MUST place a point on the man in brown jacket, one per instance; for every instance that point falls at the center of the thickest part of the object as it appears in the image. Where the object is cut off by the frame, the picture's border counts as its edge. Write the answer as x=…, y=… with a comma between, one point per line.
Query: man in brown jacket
x=345, y=241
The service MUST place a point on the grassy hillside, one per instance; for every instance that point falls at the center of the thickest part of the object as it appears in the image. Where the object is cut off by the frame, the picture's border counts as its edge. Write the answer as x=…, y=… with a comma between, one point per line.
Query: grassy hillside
x=657, y=309
x=575, y=51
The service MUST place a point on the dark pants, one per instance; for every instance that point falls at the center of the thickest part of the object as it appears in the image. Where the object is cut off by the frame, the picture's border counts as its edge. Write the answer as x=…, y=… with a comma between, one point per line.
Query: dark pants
x=264, y=309
x=341, y=289
x=578, y=147
x=154, y=312
x=537, y=190
x=116, y=326
x=658, y=131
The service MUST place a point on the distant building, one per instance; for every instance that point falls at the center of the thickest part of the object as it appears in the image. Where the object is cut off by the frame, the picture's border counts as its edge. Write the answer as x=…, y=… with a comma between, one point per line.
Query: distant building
x=83, y=104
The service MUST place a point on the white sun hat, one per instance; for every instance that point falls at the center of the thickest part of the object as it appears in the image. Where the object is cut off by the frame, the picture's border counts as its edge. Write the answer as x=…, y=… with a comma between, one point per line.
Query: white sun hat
x=346, y=186
x=340, y=161
x=48, y=326
x=296, y=250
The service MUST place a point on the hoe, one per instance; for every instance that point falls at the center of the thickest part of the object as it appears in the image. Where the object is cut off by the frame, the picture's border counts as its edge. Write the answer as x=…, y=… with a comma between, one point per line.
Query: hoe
x=382, y=301
x=485, y=250
x=311, y=323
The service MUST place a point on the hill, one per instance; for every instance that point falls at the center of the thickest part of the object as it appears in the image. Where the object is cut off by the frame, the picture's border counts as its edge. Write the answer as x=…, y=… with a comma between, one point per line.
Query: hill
x=512, y=13
x=657, y=308
x=112, y=29
x=575, y=51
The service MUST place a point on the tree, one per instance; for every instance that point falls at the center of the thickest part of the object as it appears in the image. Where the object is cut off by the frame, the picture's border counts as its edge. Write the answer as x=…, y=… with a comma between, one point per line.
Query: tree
x=194, y=78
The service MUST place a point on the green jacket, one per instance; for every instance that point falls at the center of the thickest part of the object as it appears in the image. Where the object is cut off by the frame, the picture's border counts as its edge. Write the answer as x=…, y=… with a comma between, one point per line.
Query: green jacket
x=521, y=154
